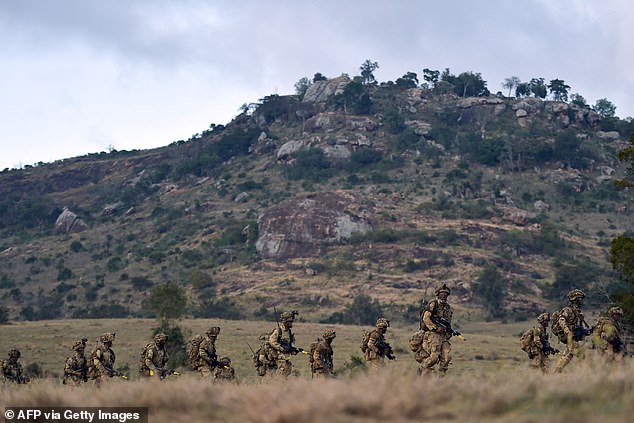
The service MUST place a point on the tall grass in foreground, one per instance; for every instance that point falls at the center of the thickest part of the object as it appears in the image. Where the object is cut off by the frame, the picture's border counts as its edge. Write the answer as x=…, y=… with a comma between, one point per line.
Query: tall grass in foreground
x=586, y=392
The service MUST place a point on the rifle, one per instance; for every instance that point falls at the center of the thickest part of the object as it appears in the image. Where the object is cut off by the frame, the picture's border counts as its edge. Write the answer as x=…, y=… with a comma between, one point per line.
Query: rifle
x=386, y=348
x=446, y=325
x=549, y=350
x=579, y=332
x=112, y=372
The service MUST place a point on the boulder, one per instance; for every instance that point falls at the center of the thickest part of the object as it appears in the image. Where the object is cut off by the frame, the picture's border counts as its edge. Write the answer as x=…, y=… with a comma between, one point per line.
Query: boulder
x=68, y=222
x=287, y=149
x=303, y=225
x=321, y=91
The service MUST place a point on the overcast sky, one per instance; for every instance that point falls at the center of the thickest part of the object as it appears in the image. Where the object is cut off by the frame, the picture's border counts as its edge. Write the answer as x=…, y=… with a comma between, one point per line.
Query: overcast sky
x=81, y=76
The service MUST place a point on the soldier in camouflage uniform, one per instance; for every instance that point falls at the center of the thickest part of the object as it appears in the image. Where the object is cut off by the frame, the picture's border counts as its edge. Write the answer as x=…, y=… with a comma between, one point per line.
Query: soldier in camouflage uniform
x=436, y=339
x=537, y=345
x=12, y=368
x=154, y=358
x=101, y=365
x=607, y=337
x=570, y=318
x=321, y=357
x=76, y=367
x=207, y=357
x=225, y=372
x=281, y=344
x=264, y=359
x=377, y=348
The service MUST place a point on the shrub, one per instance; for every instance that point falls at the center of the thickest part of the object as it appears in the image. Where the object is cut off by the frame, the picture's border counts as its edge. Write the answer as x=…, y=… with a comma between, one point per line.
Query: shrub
x=141, y=283
x=168, y=301
x=4, y=315
x=490, y=288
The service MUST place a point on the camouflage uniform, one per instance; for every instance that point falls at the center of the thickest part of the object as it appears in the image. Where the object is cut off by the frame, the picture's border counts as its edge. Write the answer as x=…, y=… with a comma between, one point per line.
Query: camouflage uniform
x=570, y=318
x=207, y=357
x=225, y=372
x=436, y=343
x=378, y=349
x=101, y=366
x=321, y=357
x=539, y=347
x=76, y=367
x=12, y=369
x=264, y=359
x=281, y=344
x=154, y=358
x=607, y=337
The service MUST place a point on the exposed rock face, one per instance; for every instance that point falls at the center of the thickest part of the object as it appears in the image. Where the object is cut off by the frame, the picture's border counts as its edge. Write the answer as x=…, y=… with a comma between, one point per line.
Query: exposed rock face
x=68, y=222
x=322, y=90
x=301, y=226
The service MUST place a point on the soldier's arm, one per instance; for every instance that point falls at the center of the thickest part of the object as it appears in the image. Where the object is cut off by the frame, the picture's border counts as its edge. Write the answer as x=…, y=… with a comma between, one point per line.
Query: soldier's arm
x=373, y=342
x=427, y=317
x=274, y=341
x=69, y=369
x=98, y=364
x=203, y=354
x=149, y=359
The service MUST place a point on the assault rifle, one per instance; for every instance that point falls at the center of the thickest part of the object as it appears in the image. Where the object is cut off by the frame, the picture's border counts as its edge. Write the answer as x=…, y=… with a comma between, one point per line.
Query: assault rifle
x=549, y=350
x=386, y=348
x=446, y=326
x=579, y=332
x=112, y=372
x=165, y=373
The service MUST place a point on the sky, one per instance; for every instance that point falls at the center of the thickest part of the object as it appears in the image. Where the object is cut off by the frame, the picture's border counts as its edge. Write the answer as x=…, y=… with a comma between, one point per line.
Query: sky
x=86, y=76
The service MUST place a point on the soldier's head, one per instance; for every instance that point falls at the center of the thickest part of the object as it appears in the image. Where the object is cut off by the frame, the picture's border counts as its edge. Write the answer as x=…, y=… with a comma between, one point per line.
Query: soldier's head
x=329, y=334
x=160, y=339
x=80, y=345
x=107, y=338
x=615, y=312
x=442, y=293
x=14, y=354
x=225, y=361
x=213, y=332
x=288, y=317
x=543, y=319
x=382, y=324
x=576, y=297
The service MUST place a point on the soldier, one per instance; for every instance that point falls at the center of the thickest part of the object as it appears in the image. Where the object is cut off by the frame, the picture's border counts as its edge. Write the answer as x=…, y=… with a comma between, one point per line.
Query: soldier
x=154, y=358
x=12, y=368
x=321, y=363
x=377, y=349
x=224, y=371
x=569, y=327
x=264, y=358
x=76, y=367
x=207, y=357
x=436, y=323
x=101, y=365
x=535, y=343
x=607, y=336
x=281, y=344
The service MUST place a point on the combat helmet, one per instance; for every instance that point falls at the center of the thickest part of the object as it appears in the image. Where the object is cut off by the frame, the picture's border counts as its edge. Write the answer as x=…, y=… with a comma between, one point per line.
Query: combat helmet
x=160, y=338
x=444, y=288
x=576, y=294
x=543, y=318
x=213, y=331
x=615, y=311
x=288, y=316
x=107, y=337
x=329, y=334
x=79, y=345
x=382, y=323
x=14, y=353
x=225, y=361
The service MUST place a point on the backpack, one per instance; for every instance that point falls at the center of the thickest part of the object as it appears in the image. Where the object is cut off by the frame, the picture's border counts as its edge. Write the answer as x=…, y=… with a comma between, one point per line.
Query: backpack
x=416, y=340
x=526, y=340
x=365, y=340
x=312, y=349
x=554, y=325
x=191, y=349
x=143, y=354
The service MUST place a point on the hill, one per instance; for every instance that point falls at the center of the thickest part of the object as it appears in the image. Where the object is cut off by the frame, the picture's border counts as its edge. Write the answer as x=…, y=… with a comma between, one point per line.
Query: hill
x=353, y=190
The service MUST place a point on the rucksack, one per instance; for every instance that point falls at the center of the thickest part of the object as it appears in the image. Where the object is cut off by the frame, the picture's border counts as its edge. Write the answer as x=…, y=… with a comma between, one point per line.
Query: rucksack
x=526, y=340
x=192, y=348
x=312, y=349
x=365, y=340
x=416, y=340
x=143, y=353
x=554, y=325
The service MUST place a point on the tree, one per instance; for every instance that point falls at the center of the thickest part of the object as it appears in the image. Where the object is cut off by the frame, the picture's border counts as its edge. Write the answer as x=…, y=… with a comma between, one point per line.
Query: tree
x=319, y=77
x=510, y=83
x=522, y=89
x=627, y=155
x=467, y=84
x=605, y=108
x=579, y=100
x=431, y=77
x=490, y=288
x=409, y=80
x=362, y=311
x=367, y=71
x=538, y=87
x=302, y=86
x=4, y=315
x=559, y=89
x=168, y=301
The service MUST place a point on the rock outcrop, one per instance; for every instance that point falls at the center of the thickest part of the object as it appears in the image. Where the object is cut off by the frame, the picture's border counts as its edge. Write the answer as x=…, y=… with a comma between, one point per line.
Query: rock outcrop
x=304, y=224
x=321, y=91
x=68, y=222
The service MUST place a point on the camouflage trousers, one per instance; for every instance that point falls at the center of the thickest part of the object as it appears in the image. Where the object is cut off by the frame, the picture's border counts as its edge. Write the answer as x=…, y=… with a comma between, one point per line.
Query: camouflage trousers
x=284, y=368
x=375, y=360
x=573, y=349
x=70, y=380
x=206, y=372
x=610, y=354
x=438, y=349
x=539, y=361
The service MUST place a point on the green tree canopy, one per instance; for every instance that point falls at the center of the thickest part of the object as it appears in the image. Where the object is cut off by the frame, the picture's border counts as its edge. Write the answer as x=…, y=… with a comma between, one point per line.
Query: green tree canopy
x=168, y=301
x=605, y=108
x=490, y=288
x=302, y=86
x=367, y=71
x=559, y=89
x=510, y=83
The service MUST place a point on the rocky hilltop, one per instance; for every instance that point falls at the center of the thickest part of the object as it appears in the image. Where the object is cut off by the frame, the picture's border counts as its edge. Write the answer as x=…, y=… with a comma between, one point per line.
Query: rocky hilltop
x=377, y=190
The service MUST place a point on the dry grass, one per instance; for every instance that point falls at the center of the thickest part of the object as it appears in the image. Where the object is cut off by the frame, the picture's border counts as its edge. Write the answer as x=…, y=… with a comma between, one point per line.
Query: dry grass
x=488, y=381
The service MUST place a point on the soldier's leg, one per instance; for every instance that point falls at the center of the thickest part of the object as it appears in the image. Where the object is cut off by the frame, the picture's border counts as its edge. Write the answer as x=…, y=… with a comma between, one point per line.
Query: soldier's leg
x=432, y=344
x=445, y=356
x=565, y=358
x=205, y=372
x=284, y=368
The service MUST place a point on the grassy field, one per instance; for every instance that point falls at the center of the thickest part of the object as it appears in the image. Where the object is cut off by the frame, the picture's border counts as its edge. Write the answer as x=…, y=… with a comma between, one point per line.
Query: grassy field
x=487, y=382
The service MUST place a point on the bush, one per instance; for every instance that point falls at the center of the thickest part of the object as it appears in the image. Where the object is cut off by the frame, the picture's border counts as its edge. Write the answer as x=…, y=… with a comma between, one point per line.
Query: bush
x=141, y=283
x=4, y=315
x=168, y=301
x=362, y=311
x=175, y=345
x=490, y=288
x=223, y=308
